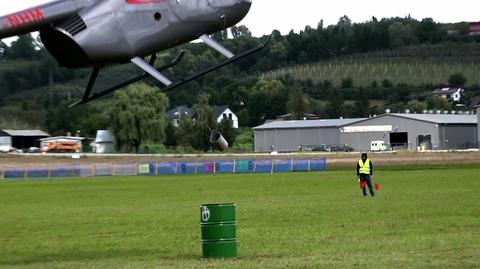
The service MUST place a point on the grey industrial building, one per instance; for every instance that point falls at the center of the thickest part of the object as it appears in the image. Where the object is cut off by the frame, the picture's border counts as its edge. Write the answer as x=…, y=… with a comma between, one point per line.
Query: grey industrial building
x=412, y=131
x=294, y=135
x=399, y=131
x=478, y=126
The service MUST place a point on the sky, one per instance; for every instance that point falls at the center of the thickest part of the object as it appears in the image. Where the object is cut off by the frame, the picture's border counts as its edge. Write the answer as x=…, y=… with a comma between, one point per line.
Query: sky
x=283, y=15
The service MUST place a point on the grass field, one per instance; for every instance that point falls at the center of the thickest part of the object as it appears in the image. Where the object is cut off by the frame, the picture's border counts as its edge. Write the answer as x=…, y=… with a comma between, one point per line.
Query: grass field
x=422, y=218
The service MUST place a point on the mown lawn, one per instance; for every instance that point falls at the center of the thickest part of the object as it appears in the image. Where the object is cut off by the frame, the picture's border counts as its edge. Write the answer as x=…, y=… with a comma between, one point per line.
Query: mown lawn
x=421, y=218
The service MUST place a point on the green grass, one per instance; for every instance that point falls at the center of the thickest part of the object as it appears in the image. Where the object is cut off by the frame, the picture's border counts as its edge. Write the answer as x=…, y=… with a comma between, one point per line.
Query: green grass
x=421, y=218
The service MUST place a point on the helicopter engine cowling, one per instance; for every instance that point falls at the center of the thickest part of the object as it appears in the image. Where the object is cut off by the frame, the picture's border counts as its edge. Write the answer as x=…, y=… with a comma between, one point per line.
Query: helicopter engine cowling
x=92, y=37
x=113, y=31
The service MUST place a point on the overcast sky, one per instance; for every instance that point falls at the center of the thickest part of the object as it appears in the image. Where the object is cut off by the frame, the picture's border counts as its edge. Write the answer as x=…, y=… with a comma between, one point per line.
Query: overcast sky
x=284, y=15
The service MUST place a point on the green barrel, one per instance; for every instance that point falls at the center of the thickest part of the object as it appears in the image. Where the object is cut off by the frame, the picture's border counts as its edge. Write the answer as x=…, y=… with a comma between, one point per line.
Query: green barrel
x=219, y=230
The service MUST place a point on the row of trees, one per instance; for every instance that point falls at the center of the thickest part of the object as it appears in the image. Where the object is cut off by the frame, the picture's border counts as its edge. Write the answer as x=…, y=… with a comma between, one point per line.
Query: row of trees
x=26, y=66
x=310, y=45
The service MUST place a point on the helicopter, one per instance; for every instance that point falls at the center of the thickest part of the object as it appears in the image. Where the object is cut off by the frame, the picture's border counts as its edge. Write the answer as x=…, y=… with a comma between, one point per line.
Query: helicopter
x=99, y=33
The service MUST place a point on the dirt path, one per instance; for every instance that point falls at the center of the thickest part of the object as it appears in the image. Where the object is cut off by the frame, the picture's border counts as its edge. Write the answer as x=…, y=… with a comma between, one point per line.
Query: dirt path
x=334, y=160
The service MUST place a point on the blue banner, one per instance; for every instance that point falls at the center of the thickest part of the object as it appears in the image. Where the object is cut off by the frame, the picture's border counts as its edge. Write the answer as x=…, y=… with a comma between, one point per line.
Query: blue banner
x=14, y=173
x=166, y=168
x=282, y=166
x=186, y=168
x=262, y=166
x=225, y=166
x=205, y=167
x=244, y=166
x=103, y=170
x=301, y=165
x=37, y=172
x=318, y=165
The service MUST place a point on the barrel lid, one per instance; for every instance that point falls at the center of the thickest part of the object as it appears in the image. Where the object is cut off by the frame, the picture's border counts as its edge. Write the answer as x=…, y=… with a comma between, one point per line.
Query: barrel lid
x=224, y=240
x=218, y=205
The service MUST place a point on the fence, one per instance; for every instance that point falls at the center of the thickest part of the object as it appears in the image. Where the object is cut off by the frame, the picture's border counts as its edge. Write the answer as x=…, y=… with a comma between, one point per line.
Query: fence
x=163, y=168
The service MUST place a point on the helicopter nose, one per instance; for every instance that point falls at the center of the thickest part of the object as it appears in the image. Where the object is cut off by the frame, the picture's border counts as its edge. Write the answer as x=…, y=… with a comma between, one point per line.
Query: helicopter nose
x=243, y=6
x=233, y=10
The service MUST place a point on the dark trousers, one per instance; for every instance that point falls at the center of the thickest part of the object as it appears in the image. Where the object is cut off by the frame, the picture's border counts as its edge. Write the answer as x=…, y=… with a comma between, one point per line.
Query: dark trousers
x=368, y=181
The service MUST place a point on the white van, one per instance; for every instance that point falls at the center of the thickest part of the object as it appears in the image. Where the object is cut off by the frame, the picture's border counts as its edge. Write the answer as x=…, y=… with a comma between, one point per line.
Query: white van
x=5, y=149
x=378, y=146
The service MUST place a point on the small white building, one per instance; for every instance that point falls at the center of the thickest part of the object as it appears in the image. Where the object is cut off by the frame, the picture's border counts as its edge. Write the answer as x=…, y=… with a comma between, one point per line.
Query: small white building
x=223, y=112
x=453, y=93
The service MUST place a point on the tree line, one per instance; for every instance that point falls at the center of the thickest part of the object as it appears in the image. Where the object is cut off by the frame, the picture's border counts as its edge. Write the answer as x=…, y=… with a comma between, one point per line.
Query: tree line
x=27, y=70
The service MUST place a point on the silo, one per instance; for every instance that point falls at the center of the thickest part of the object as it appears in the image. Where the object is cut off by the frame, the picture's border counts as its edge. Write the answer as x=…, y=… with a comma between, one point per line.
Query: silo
x=104, y=142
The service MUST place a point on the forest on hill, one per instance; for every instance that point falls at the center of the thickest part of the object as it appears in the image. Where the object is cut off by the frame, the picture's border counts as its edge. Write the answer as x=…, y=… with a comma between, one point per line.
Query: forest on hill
x=342, y=70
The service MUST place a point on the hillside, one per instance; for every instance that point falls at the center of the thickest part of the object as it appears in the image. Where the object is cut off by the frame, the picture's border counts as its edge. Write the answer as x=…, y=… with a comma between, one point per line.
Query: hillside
x=415, y=65
x=343, y=70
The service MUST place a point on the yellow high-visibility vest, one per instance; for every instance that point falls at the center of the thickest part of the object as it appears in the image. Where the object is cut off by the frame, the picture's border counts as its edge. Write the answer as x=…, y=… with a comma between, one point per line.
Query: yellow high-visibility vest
x=364, y=167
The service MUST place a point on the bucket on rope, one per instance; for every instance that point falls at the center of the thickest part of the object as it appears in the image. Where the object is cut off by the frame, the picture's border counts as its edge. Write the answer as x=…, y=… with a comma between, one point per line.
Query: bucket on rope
x=217, y=139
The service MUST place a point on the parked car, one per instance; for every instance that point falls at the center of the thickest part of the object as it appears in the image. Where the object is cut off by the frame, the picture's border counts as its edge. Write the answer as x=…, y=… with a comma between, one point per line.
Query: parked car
x=322, y=147
x=33, y=150
x=5, y=149
x=341, y=148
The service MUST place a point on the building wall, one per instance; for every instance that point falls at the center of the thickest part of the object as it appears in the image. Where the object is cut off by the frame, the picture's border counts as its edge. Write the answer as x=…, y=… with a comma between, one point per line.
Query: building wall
x=414, y=128
x=442, y=137
x=459, y=136
x=361, y=141
x=264, y=140
x=229, y=114
x=286, y=140
x=478, y=127
x=294, y=139
x=5, y=141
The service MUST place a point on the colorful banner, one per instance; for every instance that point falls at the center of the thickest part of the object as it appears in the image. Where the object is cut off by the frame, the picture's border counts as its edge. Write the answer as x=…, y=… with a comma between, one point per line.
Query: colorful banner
x=164, y=168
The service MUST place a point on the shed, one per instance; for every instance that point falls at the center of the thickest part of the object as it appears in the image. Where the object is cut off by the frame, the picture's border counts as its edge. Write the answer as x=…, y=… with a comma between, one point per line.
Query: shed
x=21, y=139
x=295, y=135
x=410, y=131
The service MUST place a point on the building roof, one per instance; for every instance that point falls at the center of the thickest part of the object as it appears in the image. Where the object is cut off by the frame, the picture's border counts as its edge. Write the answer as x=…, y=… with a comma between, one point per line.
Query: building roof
x=307, y=124
x=436, y=118
x=475, y=102
x=63, y=138
x=446, y=90
x=290, y=116
x=34, y=133
x=178, y=111
x=218, y=110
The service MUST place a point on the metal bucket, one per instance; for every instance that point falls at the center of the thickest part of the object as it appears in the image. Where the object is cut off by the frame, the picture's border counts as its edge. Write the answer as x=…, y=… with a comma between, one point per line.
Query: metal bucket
x=219, y=230
x=217, y=139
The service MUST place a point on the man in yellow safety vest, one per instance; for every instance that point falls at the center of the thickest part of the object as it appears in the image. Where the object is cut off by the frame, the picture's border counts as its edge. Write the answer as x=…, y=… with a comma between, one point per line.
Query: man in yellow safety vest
x=364, y=173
